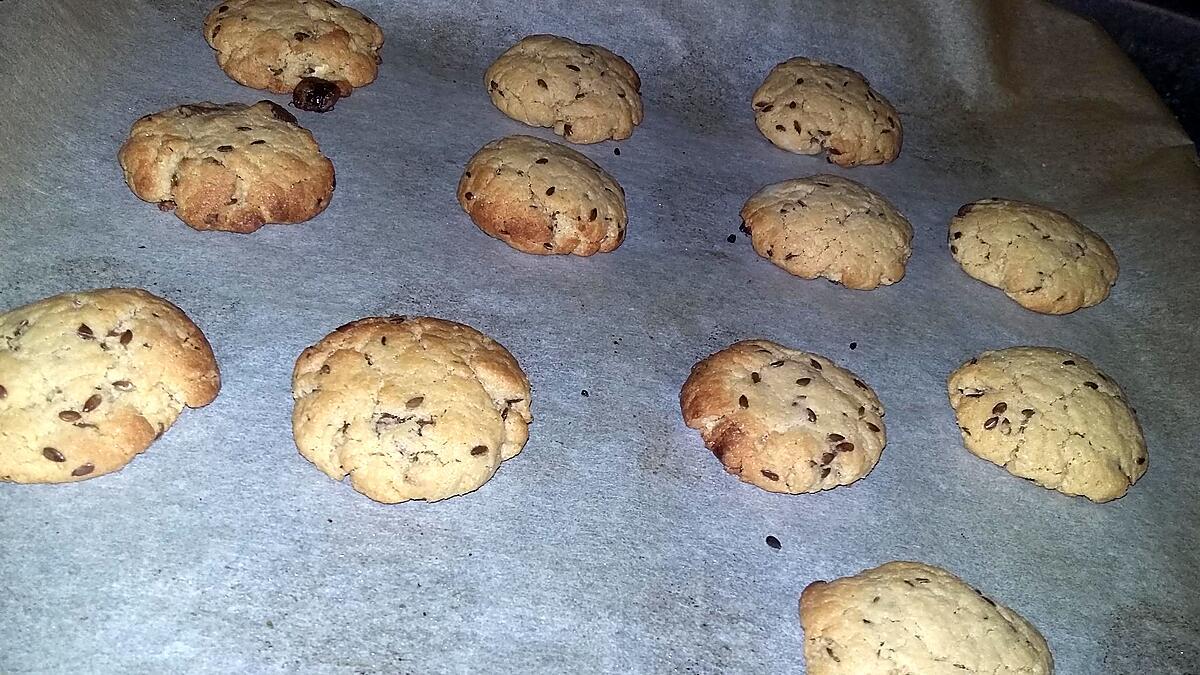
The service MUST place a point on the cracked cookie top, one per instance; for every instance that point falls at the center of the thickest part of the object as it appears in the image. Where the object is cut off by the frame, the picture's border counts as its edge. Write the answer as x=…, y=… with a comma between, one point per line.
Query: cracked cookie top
x=808, y=107
x=89, y=380
x=910, y=617
x=1040, y=257
x=277, y=44
x=409, y=407
x=832, y=227
x=228, y=167
x=584, y=92
x=783, y=419
x=1052, y=417
x=542, y=197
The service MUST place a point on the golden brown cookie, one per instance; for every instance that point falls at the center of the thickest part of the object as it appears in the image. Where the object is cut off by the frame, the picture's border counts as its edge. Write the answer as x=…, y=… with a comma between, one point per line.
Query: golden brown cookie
x=782, y=419
x=409, y=408
x=541, y=197
x=318, y=50
x=1039, y=257
x=806, y=106
x=832, y=227
x=228, y=167
x=89, y=380
x=584, y=92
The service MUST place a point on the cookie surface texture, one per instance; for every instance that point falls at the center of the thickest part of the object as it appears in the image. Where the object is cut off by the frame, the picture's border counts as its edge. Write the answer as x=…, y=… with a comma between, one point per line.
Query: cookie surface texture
x=89, y=380
x=1050, y=416
x=1041, y=258
x=584, y=92
x=542, y=197
x=808, y=107
x=278, y=44
x=409, y=408
x=228, y=167
x=783, y=419
x=832, y=227
x=909, y=617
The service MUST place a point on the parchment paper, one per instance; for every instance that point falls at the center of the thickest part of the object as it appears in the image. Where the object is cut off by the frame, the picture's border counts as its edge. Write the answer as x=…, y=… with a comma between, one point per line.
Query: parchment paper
x=615, y=542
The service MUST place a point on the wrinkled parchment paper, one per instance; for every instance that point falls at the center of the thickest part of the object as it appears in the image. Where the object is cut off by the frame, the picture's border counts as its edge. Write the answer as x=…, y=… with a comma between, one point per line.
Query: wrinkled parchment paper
x=615, y=542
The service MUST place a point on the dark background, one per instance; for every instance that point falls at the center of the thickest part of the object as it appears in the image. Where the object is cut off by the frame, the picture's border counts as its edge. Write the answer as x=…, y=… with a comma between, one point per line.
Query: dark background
x=1163, y=39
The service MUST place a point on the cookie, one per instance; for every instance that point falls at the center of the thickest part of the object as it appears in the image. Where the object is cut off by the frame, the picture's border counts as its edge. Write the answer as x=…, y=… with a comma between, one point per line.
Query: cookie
x=806, y=107
x=318, y=50
x=827, y=226
x=782, y=419
x=228, y=167
x=542, y=197
x=409, y=408
x=1052, y=417
x=1040, y=257
x=909, y=617
x=586, y=93
x=89, y=380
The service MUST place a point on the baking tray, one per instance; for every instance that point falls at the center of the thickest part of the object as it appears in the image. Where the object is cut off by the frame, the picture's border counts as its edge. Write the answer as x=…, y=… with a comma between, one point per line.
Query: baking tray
x=615, y=542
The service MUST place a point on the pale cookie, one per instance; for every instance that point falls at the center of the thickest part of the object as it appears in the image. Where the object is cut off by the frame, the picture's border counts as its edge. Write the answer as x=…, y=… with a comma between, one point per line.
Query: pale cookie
x=782, y=419
x=1052, y=417
x=807, y=106
x=89, y=380
x=409, y=408
x=542, y=197
x=827, y=226
x=1039, y=257
x=228, y=167
x=586, y=93
x=318, y=50
x=915, y=619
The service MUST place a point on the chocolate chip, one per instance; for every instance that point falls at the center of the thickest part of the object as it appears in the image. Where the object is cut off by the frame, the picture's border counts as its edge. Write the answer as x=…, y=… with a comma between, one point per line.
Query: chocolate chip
x=325, y=369
x=549, y=190
x=991, y=423
x=84, y=331
x=803, y=382
x=776, y=364
x=3, y=393
x=1028, y=412
x=301, y=36
x=796, y=126
x=780, y=127
x=493, y=85
x=617, y=151
x=755, y=378
x=827, y=457
x=853, y=345
x=415, y=402
x=954, y=249
x=315, y=95
x=731, y=238
x=773, y=542
x=1068, y=362
x=743, y=402
x=53, y=455
x=69, y=416
x=999, y=408
x=224, y=148
x=825, y=473
x=872, y=427
x=281, y=113
x=222, y=9
x=572, y=67
x=812, y=416
x=958, y=235
x=845, y=447
x=123, y=385
x=479, y=450
x=860, y=384
x=1091, y=384
x=799, y=80
x=126, y=337
x=592, y=215
x=92, y=403
x=584, y=393
x=83, y=470
x=258, y=142
x=566, y=129
x=834, y=438
x=1141, y=460
x=245, y=128
x=770, y=475
x=745, y=229
x=541, y=83
x=469, y=195
x=815, y=364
